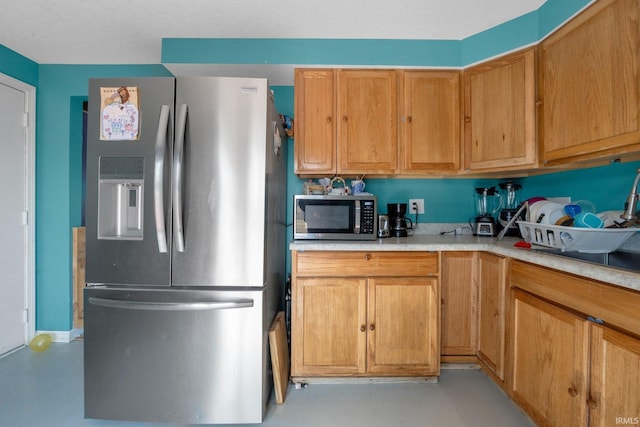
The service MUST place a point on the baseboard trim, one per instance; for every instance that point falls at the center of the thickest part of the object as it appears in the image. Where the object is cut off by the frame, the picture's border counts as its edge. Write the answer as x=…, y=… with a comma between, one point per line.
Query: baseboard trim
x=63, y=336
x=459, y=359
x=457, y=365
x=361, y=380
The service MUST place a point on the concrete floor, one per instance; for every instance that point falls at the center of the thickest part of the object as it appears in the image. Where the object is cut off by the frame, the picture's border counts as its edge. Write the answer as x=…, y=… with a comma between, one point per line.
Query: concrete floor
x=46, y=390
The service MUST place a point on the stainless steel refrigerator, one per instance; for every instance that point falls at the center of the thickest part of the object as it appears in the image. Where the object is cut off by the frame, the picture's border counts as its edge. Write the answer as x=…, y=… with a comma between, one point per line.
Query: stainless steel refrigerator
x=185, y=217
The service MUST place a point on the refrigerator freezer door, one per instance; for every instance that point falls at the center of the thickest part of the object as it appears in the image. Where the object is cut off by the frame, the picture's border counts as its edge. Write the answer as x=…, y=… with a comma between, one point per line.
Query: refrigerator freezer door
x=221, y=182
x=128, y=188
x=178, y=356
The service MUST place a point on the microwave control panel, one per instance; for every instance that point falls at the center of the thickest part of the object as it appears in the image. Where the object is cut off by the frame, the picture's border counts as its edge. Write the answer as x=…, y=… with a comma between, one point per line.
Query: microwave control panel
x=368, y=217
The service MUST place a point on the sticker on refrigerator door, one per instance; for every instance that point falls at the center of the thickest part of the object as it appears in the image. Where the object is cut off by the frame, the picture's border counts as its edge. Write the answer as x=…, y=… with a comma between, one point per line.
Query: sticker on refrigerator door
x=277, y=139
x=120, y=114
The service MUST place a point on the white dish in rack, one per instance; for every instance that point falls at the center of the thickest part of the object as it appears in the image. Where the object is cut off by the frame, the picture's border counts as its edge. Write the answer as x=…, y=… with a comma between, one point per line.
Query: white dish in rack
x=575, y=239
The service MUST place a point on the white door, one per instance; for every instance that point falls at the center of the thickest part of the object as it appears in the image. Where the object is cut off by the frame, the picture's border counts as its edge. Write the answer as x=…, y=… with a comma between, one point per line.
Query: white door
x=15, y=207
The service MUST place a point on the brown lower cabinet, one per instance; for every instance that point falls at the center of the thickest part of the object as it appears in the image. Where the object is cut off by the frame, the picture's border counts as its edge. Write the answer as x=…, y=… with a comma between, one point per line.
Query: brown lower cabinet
x=474, y=310
x=492, y=309
x=565, y=348
x=570, y=364
x=365, y=314
x=549, y=374
x=459, y=301
x=614, y=395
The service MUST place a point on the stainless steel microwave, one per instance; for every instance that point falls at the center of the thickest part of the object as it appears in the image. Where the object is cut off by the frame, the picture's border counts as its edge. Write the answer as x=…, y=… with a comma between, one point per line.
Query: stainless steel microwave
x=335, y=217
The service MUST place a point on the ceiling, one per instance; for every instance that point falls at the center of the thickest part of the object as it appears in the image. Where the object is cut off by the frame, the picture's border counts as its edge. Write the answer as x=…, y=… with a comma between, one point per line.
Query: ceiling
x=131, y=31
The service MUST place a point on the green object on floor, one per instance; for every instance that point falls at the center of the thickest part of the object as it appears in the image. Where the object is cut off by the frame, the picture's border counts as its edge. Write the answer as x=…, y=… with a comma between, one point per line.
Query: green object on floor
x=40, y=342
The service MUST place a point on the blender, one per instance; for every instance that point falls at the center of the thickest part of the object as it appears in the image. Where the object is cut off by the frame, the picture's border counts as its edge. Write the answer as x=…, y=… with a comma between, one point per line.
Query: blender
x=511, y=205
x=487, y=204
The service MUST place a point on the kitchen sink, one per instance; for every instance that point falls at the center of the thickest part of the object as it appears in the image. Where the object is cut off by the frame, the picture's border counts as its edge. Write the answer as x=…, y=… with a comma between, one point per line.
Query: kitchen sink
x=618, y=259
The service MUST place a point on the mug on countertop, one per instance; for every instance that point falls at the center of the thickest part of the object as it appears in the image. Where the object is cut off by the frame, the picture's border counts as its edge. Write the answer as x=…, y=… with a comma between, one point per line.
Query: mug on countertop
x=357, y=186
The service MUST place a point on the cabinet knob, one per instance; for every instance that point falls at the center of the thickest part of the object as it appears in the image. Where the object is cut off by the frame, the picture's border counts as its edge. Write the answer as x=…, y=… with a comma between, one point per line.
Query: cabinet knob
x=467, y=119
x=363, y=328
x=409, y=119
x=372, y=327
x=572, y=391
x=592, y=404
x=367, y=257
x=329, y=119
x=344, y=118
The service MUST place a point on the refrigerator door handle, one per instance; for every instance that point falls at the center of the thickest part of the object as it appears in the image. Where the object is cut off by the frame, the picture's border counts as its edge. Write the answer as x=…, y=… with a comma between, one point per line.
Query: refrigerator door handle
x=178, y=163
x=158, y=178
x=170, y=306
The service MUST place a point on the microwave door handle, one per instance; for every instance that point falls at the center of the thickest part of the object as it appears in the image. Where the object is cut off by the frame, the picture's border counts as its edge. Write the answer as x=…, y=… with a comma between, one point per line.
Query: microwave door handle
x=356, y=229
x=158, y=178
x=178, y=166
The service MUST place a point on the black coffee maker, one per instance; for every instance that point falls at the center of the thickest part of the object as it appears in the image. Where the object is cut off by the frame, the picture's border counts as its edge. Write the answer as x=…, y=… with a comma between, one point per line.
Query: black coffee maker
x=397, y=222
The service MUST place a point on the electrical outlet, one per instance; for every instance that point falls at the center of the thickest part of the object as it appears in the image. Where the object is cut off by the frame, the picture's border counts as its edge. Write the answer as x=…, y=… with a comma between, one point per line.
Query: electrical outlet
x=416, y=203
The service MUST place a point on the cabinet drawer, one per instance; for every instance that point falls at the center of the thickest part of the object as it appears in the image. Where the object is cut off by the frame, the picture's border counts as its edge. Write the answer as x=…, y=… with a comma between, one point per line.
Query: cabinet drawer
x=614, y=305
x=333, y=263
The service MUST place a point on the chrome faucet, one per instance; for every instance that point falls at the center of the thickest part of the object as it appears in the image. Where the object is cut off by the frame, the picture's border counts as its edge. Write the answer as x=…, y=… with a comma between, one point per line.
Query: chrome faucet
x=631, y=206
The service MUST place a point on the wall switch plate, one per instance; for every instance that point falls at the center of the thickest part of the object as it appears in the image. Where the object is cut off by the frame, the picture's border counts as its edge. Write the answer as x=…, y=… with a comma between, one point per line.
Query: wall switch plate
x=419, y=203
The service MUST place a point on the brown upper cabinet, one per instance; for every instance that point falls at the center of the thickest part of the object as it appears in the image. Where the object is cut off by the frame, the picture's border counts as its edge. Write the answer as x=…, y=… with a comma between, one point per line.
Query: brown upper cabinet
x=367, y=128
x=429, y=121
x=574, y=98
x=500, y=113
x=345, y=122
x=590, y=86
x=315, y=112
x=377, y=122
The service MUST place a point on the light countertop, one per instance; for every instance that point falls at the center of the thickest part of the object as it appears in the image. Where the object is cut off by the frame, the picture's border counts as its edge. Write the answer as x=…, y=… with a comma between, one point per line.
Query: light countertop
x=428, y=242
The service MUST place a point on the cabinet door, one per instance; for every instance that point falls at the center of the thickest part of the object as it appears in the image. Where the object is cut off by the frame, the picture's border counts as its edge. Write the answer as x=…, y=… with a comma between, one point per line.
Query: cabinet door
x=459, y=304
x=328, y=326
x=550, y=362
x=403, y=326
x=615, y=378
x=590, y=84
x=315, y=128
x=367, y=129
x=500, y=113
x=492, y=309
x=430, y=122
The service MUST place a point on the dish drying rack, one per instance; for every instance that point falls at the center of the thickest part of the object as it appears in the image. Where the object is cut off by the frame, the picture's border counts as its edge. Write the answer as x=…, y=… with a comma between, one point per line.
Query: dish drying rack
x=575, y=239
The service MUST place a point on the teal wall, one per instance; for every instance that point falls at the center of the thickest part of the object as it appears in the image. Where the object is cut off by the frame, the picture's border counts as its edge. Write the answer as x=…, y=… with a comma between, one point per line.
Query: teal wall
x=522, y=31
x=17, y=66
x=606, y=187
x=62, y=88
x=437, y=53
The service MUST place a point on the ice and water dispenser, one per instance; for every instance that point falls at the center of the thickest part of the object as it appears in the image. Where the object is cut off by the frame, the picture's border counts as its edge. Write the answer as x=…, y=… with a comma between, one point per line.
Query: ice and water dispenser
x=121, y=198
